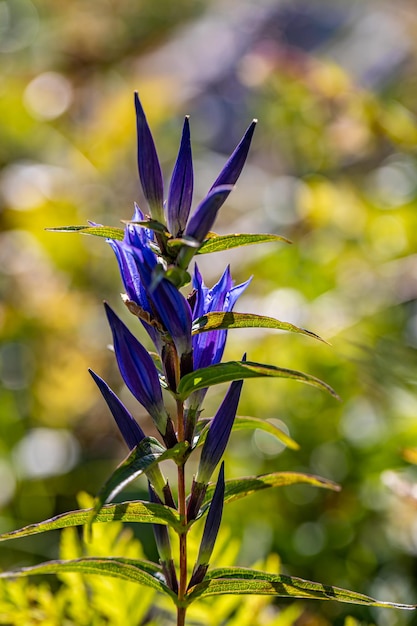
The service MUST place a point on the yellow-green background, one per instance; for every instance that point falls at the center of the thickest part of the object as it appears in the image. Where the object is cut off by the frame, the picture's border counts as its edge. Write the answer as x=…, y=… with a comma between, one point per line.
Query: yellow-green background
x=332, y=167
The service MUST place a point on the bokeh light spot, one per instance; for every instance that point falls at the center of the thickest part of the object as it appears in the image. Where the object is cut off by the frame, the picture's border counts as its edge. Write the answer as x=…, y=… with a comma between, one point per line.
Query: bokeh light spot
x=48, y=95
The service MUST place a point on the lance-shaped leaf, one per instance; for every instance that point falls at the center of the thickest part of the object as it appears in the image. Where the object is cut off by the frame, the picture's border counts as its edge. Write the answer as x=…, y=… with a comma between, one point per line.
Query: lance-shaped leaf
x=241, y=581
x=234, y=165
x=137, y=571
x=142, y=458
x=247, y=423
x=150, y=173
x=219, y=433
x=235, y=489
x=109, y=232
x=236, y=370
x=180, y=193
x=211, y=530
x=219, y=243
x=218, y=320
x=131, y=432
x=133, y=511
x=138, y=370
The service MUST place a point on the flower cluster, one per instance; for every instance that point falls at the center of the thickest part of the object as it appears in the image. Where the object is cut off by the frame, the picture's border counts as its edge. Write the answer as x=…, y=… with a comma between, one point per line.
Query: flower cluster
x=153, y=258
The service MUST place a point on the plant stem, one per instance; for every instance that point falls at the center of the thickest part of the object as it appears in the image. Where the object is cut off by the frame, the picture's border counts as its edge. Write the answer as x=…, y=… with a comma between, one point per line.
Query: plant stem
x=182, y=587
x=181, y=616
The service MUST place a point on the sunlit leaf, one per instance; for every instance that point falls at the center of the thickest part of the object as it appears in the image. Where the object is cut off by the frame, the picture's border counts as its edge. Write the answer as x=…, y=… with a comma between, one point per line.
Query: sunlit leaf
x=218, y=243
x=241, y=581
x=109, y=232
x=237, y=370
x=248, y=423
x=136, y=511
x=137, y=571
x=240, y=487
x=218, y=320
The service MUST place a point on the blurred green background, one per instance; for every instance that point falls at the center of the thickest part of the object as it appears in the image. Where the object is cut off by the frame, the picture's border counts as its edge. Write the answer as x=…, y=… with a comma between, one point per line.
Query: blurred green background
x=333, y=167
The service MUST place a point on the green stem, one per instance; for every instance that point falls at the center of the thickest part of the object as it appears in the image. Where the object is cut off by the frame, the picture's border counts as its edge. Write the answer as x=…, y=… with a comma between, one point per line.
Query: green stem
x=182, y=586
x=181, y=616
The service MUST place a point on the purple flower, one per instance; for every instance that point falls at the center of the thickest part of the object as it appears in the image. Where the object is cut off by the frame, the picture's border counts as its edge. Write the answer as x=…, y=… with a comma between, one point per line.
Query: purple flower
x=161, y=307
x=210, y=532
x=136, y=236
x=138, y=371
x=148, y=164
x=181, y=187
x=132, y=434
x=219, y=433
x=128, y=426
x=208, y=347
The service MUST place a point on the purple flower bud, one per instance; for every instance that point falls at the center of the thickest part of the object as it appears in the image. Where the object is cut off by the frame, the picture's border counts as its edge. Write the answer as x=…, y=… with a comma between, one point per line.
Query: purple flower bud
x=138, y=370
x=128, y=426
x=132, y=434
x=210, y=532
x=181, y=188
x=204, y=216
x=148, y=164
x=219, y=433
x=234, y=165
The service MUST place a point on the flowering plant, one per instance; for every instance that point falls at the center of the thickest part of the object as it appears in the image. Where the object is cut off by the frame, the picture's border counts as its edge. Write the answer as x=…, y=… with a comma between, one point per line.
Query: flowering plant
x=189, y=332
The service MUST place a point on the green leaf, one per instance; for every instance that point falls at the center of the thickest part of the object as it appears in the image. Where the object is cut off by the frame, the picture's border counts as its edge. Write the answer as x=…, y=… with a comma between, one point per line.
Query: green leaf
x=136, y=511
x=251, y=423
x=241, y=581
x=148, y=453
x=248, y=423
x=218, y=320
x=109, y=232
x=138, y=571
x=237, y=370
x=218, y=243
x=240, y=487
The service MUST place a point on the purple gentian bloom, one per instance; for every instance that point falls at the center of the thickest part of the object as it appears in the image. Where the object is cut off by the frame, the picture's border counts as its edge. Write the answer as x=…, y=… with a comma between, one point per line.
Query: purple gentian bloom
x=132, y=434
x=128, y=426
x=181, y=187
x=138, y=371
x=180, y=193
x=219, y=433
x=210, y=532
x=205, y=214
x=150, y=173
x=208, y=347
x=167, y=302
x=163, y=309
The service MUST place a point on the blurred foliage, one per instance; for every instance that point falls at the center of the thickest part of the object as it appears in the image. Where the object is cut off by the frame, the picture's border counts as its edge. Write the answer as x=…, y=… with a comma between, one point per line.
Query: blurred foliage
x=333, y=168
